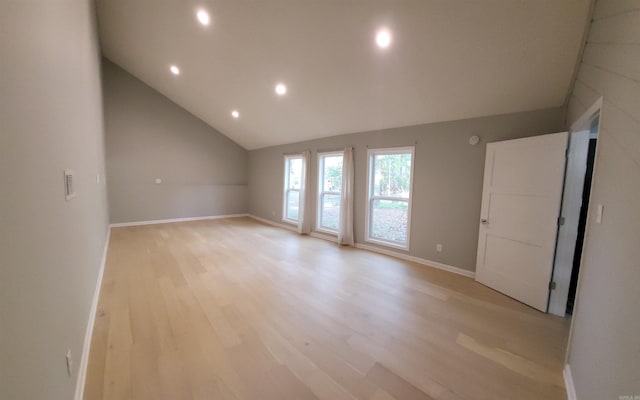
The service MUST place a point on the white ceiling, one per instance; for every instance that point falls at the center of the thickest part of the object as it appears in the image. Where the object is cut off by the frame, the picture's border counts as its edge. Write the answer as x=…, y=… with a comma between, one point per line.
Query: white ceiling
x=450, y=59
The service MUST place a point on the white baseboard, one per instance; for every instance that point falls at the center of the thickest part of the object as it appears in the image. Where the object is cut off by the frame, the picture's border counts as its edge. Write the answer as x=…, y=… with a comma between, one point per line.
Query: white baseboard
x=568, y=383
x=86, y=346
x=323, y=236
x=269, y=222
x=84, y=360
x=391, y=253
x=169, y=221
x=428, y=263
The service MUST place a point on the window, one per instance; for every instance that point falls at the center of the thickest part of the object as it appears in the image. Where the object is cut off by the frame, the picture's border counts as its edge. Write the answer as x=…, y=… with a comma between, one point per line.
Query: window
x=389, y=199
x=292, y=186
x=329, y=188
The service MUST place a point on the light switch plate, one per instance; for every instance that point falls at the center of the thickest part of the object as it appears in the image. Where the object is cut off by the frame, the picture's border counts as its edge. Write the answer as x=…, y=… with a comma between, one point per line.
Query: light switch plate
x=69, y=185
x=69, y=360
x=599, y=211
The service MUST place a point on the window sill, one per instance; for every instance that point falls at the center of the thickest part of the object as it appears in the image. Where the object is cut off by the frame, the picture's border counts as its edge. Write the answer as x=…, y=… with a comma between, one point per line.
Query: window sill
x=290, y=222
x=326, y=231
x=387, y=244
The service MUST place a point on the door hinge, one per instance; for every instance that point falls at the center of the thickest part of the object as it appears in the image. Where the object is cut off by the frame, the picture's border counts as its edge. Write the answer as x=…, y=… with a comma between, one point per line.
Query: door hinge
x=560, y=221
x=552, y=285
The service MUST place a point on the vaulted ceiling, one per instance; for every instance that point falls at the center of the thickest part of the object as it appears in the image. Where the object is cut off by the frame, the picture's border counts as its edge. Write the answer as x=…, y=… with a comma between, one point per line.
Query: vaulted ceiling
x=448, y=60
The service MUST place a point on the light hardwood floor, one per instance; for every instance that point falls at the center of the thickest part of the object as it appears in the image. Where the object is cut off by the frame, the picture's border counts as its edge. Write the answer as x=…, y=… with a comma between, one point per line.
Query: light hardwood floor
x=234, y=309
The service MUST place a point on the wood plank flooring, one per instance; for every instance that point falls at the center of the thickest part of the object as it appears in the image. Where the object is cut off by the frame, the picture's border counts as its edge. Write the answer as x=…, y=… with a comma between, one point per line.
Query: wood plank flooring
x=234, y=309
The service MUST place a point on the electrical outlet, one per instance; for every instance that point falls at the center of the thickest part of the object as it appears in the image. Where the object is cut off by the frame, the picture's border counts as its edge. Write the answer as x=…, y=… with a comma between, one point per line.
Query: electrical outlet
x=69, y=185
x=599, y=211
x=273, y=213
x=69, y=360
x=158, y=180
x=439, y=248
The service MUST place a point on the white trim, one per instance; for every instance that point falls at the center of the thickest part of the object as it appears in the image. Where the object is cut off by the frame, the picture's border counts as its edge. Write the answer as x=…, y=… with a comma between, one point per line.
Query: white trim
x=423, y=261
x=389, y=244
x=320, y=156
x=86, y=346
x=285, y=193
x=284, y=206
x=568, y=383
x=172, y=220
x=587, y=115
x=319, y=235
x=584, y=118
x=326, y=231
x=370, y=177
x=558, y=303
x=407, y=257
x=276, y=224
x=314, y=234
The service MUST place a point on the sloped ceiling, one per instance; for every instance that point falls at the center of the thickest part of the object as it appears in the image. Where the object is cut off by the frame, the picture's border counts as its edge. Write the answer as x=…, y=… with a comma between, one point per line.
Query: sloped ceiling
x=449, y=60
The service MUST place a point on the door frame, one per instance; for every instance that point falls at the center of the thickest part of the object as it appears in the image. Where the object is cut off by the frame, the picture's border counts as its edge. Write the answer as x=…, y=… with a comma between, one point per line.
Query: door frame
x=596, y=108
x=566, y=240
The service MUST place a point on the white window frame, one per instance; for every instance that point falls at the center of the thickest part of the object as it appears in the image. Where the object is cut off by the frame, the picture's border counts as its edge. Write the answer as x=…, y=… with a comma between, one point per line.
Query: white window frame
x=321, y=192
x=286, y=191
x=370, y=197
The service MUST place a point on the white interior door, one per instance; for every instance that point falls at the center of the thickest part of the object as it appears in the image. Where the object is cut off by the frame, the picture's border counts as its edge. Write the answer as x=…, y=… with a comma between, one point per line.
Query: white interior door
x=521, y=199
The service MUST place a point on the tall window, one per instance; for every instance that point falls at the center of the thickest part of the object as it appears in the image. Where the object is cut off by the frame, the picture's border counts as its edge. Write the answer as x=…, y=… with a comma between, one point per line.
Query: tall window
x=292, y=186
x=389, y=202
x=329, y=188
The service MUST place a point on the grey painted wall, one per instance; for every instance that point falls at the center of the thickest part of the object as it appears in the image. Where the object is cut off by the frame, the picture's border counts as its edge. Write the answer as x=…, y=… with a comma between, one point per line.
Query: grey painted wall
x=605, y=344
x=447, y=186
x=50, y=249
x=147, y=137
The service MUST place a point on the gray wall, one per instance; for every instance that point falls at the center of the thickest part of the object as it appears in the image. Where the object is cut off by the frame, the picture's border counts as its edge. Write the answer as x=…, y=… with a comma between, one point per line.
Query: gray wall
x=203, y=172
x=50, y=249
x=447, y=186
x=605, y=345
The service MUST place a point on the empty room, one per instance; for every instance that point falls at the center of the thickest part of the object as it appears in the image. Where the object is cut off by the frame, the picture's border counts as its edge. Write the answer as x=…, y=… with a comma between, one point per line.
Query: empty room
x=319, y=199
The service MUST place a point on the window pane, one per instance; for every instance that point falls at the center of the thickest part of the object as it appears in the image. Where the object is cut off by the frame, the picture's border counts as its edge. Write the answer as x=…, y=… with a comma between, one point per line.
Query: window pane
x=392, y=175
x=295, y=173
x=332, y=176
x=389, y=220
x=293, y=203
x=330, y=212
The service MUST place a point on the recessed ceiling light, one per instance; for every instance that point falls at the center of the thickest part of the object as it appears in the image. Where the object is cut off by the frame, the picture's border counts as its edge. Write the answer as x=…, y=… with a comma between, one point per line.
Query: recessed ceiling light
x=383, y=38
x=175, y=70
x=235, y=114
x=281, y=89
x=203, y=17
